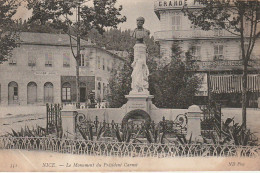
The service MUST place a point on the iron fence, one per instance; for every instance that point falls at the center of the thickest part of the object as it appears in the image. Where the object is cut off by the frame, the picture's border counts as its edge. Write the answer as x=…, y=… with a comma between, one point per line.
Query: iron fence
x=53, y=113
x=120, y=149
x=211, y=119
x=171, y=128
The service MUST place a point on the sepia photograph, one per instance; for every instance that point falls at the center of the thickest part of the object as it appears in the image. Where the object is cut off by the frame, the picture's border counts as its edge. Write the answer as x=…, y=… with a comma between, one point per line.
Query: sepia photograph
x=129, y=85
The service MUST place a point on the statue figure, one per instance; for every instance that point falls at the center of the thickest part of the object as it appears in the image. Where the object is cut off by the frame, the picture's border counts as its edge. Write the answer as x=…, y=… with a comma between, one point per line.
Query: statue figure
x=140, y=74
x=140, y=33
x=140, y=70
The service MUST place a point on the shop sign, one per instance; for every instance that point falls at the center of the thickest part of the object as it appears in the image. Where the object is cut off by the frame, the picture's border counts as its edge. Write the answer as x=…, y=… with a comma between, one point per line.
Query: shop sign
x=176, y=3
x=44, y=73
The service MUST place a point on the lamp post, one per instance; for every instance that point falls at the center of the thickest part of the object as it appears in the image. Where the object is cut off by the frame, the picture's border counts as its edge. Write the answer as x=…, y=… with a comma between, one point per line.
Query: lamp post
x=78, y=57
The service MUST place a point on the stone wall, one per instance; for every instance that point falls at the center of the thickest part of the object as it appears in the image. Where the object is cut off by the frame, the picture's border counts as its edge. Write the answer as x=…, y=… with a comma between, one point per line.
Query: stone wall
x=117, y=114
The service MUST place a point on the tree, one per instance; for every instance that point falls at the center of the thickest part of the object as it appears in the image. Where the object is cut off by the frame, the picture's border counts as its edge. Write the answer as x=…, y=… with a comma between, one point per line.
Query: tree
x=120, y=84
x=231, y=16
x=8, y=9
x=172, y=85
x=59, y=13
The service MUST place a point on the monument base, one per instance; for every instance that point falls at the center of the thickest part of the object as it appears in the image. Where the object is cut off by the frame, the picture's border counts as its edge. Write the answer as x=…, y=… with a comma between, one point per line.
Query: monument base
x=141, y=101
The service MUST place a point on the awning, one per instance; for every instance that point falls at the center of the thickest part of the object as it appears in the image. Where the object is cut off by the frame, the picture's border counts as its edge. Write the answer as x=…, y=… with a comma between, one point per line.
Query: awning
x=233, y=83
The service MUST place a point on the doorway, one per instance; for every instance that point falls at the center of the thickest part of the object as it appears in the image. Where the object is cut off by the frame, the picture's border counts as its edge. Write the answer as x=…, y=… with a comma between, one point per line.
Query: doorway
x=12, y=93
x=31, y=93
x=82, y=92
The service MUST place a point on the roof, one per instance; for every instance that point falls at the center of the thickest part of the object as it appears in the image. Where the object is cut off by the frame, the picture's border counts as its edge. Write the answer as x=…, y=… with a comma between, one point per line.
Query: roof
x=58, y=40
x=48, y=39
x=107, y=51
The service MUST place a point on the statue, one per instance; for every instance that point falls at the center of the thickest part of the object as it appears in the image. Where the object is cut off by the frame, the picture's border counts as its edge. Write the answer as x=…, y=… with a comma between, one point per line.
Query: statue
x=140, y=33
x=140, y=70
x=140, y=75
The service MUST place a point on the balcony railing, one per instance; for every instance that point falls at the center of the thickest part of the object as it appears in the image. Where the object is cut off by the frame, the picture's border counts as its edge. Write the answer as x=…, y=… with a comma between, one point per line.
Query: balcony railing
x=192, y=34
x=225, y=65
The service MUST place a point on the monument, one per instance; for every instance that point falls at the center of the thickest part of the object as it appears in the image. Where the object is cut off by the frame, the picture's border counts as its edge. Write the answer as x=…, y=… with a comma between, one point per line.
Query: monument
x=139, y=96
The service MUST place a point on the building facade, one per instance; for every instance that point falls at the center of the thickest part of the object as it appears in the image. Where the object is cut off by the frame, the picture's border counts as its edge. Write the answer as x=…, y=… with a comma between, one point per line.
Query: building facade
x=42, y=70
x=217, y=53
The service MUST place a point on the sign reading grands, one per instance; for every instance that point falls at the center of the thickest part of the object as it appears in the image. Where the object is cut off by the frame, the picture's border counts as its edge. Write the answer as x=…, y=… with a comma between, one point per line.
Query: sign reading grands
x=176, y=3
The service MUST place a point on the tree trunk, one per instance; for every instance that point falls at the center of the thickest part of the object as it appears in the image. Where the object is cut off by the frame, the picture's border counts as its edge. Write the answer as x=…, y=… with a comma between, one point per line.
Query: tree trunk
x=244, y=95
x=77, y=83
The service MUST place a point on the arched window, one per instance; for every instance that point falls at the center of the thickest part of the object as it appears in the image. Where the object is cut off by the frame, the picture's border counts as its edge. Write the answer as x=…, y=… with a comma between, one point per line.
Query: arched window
x=66, y=92
x=31, y=93
x=13, y=93
x=48, y=92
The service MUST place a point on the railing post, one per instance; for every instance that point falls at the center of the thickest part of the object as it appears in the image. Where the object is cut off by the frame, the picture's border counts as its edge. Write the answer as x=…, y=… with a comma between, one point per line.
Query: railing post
x=56, y=115
x=194, y=126
x=96, y=123
x=68, y=114
x=47, y=119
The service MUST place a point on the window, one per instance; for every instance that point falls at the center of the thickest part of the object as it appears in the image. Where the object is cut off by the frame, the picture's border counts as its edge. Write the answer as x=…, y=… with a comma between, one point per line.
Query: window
x=48, y=92
x=218, y=52
x=103, y=64
x=108, y=65
x=15, y=91
x=99, y=86
x=245, y=48
x=12, y=60
x=31, y=59
x=48, y=59
x=82, y=60
x=98, y=63
x=218, y=32
x=195, y=51
x=108, y=89
x=66, y=92
x=247, y=27
x=87, y=61
x=66, y=60
x=176, y=22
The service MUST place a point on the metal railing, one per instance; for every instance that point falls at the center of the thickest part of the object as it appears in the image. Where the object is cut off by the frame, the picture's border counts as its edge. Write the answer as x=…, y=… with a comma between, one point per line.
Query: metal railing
x=171, y=128
x=192, y=34
x=107, y=148
x=53, y=117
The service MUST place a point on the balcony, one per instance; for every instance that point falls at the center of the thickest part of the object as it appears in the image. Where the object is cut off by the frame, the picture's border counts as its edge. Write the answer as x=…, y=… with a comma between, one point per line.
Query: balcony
x=223, y=65
x=192, y=34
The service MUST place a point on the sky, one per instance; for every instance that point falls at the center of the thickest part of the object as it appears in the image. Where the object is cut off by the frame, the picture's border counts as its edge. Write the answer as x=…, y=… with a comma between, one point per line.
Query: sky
x=136, y=8
x=131, y=9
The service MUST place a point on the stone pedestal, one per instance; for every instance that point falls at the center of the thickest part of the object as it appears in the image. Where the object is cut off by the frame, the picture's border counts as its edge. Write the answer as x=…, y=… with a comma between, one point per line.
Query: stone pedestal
x=193, y=126
x=139, y=97
x=140, y=70
x=139, y=101
x=68, y=118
